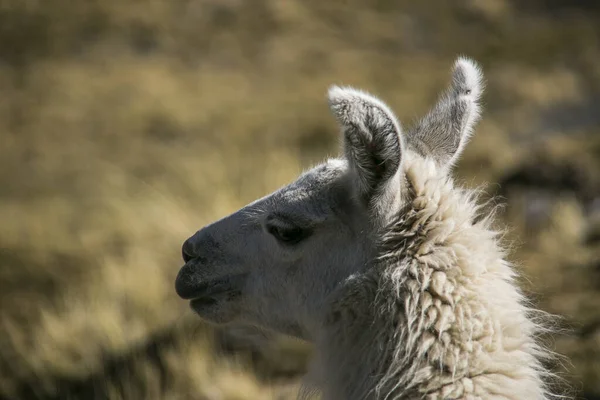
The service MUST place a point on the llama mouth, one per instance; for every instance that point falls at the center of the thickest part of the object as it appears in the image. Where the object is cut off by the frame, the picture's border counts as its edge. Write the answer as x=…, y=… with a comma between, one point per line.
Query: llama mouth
x=212, y=292
x=188, y=286
x=211, y=288
x=213, y=299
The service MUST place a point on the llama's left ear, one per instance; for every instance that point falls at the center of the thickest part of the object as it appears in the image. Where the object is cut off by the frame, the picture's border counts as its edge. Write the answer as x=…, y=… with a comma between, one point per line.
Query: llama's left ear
x=372, y=141
x=446, y=129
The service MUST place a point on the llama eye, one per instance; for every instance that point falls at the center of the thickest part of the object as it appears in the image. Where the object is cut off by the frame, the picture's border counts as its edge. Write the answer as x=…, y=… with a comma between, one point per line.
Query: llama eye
x=287, y=235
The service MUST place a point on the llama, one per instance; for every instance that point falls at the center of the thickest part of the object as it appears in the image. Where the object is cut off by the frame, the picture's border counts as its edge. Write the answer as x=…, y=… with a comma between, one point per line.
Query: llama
x=392, y=272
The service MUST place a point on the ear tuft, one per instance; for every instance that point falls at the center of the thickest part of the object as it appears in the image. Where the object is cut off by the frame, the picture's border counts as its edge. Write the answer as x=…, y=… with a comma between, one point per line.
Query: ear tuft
x=371, y=138
x=467, y=78
x=350, y=106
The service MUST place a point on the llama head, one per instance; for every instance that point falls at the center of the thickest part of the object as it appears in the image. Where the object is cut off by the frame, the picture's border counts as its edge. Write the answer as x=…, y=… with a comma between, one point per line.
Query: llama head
x=277, y=261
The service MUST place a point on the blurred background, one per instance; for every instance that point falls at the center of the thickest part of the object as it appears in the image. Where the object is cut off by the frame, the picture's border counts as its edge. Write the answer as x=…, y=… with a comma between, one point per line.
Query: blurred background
x=125, y=126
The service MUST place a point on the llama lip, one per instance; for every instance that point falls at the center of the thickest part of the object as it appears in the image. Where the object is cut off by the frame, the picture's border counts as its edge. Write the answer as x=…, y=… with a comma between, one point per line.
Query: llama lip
x=210, y=300
x=189, y=289
x=209, y=289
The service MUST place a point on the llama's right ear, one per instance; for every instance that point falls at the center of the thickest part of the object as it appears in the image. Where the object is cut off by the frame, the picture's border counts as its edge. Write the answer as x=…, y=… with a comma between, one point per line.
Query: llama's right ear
x=372, y=141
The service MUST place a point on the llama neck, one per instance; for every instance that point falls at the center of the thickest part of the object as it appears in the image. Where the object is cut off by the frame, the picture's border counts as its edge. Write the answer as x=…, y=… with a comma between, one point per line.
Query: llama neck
x=437, y=315
x=353, y=353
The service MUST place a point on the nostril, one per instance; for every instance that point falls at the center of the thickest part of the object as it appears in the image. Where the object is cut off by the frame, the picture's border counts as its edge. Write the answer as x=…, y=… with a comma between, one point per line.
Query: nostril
x=187, y=251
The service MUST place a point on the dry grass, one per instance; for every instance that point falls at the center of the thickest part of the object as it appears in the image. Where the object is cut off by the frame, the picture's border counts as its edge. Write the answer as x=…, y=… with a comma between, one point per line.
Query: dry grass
x=126, y=126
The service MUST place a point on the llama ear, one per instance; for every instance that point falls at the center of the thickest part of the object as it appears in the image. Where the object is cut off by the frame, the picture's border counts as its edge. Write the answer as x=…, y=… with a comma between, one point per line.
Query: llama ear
x=372, y=142
x=444, y=132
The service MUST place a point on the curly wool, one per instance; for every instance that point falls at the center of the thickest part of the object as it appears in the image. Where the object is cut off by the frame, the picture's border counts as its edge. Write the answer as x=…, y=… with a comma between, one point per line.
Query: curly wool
x=438, y=314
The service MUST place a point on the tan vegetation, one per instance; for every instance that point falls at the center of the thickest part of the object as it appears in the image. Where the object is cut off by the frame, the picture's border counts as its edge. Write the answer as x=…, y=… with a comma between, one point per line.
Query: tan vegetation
x=127, y=125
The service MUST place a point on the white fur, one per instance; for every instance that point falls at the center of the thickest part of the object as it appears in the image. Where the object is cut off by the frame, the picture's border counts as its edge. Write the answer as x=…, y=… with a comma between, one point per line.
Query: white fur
x=443, y=305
